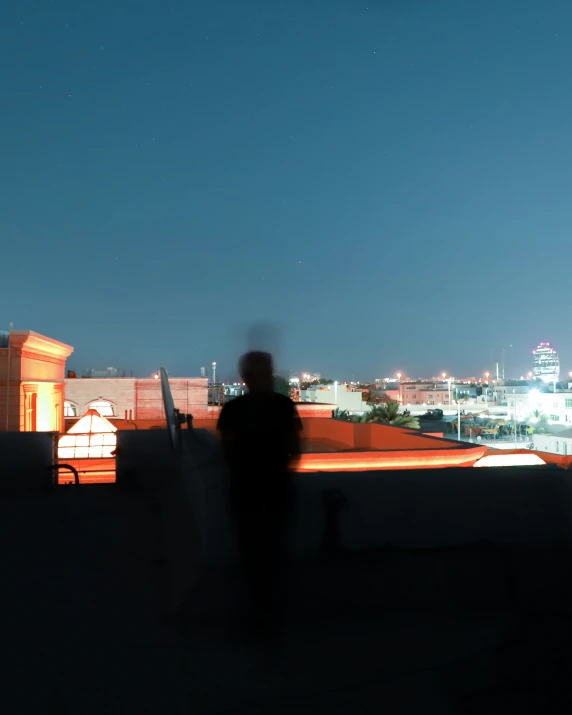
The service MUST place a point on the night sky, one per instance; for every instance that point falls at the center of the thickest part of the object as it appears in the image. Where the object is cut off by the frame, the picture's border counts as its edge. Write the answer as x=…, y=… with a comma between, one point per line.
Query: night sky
x=388, y=181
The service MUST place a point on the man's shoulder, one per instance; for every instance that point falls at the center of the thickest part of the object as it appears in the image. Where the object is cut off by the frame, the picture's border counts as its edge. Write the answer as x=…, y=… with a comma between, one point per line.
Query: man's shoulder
x=231, y=404
x=283, y=398
x=229, y=411
x=284, y=401
x=287, y=407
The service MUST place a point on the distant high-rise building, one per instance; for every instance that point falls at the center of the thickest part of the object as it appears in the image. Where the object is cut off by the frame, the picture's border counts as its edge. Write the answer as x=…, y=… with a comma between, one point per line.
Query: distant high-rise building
x=546, y=363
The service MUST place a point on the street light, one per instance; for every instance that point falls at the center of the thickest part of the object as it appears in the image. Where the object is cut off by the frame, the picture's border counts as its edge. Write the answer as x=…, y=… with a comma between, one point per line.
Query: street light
x=398, y=376
x=487, y=374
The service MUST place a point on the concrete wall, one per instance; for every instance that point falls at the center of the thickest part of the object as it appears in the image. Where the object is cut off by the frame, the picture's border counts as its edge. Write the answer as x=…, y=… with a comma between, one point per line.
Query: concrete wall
x=10, y=397
x=336, y=396
x=139, y=398
x=416, y=509
x=553, y=443
x=26, y=460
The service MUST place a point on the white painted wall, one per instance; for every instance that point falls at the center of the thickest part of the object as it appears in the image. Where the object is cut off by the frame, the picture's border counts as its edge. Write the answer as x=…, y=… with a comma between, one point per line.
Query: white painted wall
x=552, y=443
x=557, y=406
x=336, y=395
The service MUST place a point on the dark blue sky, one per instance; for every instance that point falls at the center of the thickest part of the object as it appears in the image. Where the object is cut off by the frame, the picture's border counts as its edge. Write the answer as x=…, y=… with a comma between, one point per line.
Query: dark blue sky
x=389, y=181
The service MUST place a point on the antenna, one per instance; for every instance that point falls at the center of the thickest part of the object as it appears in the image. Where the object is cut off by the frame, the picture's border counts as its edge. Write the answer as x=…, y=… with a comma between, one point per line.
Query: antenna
x=173, y=416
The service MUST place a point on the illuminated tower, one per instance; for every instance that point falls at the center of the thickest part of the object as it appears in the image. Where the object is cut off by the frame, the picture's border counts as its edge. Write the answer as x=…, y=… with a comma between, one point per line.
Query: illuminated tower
x=546, y=364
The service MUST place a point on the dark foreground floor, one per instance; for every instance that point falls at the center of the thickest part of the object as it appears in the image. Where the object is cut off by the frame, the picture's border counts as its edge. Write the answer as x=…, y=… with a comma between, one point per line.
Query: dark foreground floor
x=396, y=631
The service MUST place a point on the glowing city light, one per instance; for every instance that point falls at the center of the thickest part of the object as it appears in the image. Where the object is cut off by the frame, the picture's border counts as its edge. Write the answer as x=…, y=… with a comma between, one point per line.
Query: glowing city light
x=510, y=460
x=92, y=437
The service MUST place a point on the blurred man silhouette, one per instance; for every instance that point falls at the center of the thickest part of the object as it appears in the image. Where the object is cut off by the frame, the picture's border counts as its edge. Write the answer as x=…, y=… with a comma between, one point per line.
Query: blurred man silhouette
x=260, y=434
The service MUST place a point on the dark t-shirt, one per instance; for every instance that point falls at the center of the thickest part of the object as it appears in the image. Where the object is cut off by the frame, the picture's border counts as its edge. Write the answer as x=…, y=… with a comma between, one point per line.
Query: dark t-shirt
x=263, y=433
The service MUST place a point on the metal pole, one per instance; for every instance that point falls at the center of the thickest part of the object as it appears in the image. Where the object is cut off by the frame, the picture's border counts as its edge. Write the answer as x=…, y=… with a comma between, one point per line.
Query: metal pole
x=458, y=420
x=515, y=444
x=10, y=327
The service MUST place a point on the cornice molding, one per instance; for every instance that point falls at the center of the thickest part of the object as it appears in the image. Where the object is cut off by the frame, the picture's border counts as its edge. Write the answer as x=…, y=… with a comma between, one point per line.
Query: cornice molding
x=39, y=344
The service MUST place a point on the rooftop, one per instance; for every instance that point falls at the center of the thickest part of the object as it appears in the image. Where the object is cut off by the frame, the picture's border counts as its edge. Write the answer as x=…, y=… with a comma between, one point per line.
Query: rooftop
x=88, y=621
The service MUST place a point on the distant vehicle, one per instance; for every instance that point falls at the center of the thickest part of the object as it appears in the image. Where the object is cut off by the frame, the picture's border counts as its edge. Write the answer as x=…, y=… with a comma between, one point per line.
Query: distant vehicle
x=435, y=414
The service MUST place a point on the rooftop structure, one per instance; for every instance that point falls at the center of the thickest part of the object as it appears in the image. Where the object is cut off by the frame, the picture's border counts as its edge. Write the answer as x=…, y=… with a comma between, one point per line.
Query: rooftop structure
x=440, y=566
x=91, y=437
x=339, y=395
x=32, y=371
x=103, y=372
x=134, y=398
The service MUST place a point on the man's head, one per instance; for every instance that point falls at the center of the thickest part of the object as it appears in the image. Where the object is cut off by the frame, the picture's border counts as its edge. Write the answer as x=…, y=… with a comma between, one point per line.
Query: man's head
x=257, y=370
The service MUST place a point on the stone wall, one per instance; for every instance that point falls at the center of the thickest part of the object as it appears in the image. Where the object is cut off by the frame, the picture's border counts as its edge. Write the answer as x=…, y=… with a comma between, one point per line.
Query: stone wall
x=139, y=398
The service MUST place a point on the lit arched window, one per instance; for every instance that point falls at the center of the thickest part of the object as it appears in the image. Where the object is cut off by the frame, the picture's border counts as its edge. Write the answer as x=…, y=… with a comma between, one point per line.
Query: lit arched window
x=70, y=410
x=104, y=407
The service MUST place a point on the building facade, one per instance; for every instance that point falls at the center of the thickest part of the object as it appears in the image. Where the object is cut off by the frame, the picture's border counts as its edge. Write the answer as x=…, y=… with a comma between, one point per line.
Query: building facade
x=133, y=398
x=560, y=443
x=546, y=363
x=425, y=393
x=32, y=373
x=510, y=393
x=557, y=406
x=336, y=395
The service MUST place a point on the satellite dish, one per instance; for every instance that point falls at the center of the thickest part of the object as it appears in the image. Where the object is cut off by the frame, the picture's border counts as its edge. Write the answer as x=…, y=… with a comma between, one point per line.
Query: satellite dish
x=171, y=412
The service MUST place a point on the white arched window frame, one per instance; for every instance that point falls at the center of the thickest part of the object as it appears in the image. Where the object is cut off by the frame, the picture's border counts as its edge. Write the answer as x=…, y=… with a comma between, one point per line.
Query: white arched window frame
x=104, y=407
x=70, y=409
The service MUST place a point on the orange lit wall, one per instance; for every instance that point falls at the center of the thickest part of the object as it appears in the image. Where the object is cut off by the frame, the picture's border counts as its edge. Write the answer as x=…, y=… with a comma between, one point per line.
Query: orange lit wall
x=314, y=410
x=36, y=384
x=390, y=459
x=363, y=447
x=91, y=471
x=347, y=435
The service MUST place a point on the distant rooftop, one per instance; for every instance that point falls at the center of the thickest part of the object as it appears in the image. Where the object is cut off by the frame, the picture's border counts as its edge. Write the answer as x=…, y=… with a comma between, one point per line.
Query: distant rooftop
x=104, y=372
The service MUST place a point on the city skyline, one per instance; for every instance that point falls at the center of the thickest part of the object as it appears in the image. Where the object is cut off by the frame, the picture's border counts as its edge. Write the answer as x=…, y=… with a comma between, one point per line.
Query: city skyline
x=386, y=182
x=229, y=373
